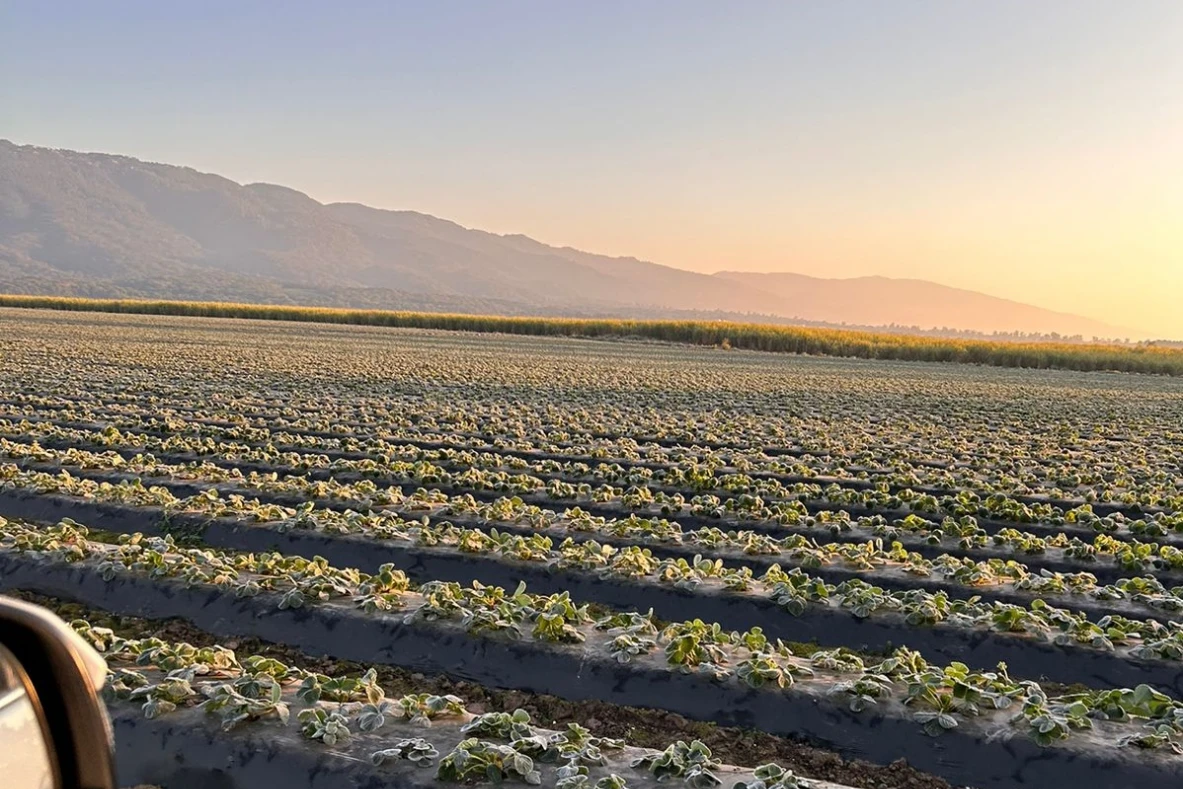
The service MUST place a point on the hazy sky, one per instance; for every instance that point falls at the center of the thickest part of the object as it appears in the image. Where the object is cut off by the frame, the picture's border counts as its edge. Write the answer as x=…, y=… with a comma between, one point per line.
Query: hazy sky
x=1030, y=149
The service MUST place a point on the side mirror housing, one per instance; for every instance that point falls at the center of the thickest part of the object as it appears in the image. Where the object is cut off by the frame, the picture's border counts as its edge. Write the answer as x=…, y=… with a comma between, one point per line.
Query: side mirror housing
x=53, y=722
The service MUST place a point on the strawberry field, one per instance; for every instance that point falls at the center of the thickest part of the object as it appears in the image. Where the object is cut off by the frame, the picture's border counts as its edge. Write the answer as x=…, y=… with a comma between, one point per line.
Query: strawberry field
x=623, y=551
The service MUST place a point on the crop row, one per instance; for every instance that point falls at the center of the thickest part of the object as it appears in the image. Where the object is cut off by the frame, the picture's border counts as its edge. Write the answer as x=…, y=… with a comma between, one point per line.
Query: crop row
x=1036, y=637
x=706, y=507
x=551, y=644
x=844, y=389
x=461, y=464
x=235, y=698
x=635, y=476
x=893, y=566
x=1070, y=551
x=744, y=471
x=1021, y=447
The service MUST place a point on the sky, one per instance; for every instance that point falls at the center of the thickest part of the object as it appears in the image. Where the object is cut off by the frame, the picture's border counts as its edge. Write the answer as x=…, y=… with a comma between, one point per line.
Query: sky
x=1032, y=150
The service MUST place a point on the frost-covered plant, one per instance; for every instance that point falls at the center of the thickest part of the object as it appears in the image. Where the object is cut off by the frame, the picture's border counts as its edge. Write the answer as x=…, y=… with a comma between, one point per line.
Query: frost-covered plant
x=478, y=760
x=318, y=723
x=163, y=697
x=692, y=762
x=773, y=776
x=416, y=750
x=233, y=707
x=421, y=708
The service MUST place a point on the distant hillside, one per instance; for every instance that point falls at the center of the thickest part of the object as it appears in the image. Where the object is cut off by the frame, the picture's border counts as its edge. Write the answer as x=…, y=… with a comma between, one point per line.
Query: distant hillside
x=882, y=301
x=98, y=225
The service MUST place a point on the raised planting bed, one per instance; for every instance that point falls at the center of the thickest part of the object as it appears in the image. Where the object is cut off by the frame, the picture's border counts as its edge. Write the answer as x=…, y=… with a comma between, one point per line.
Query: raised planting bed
x=49, y=459
x=794, y=608
x=1109, y=560
x=829, y=561
x=986, y=750
x=990, y=570
x=315, y=444
x=211, y=717
x=328, y=465
x=187, y=749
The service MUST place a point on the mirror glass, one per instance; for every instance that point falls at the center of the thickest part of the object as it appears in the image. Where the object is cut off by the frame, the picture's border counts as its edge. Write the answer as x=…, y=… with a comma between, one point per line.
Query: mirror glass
x=26, y=755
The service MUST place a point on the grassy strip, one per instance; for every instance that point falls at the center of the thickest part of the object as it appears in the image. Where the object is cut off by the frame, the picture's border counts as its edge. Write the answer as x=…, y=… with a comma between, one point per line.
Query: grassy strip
x=752, y=336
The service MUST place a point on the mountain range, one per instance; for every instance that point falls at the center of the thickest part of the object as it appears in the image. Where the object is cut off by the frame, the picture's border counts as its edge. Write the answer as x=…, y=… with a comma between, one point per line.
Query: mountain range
x=102, y=225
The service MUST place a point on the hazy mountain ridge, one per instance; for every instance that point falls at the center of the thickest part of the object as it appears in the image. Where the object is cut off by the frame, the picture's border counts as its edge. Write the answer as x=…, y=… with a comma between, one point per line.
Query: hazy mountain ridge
x=104, y=225
x=881, y=301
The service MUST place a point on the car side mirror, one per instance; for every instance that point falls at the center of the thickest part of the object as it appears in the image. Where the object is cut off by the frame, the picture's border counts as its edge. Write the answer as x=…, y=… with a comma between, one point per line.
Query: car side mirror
x=54, y=731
